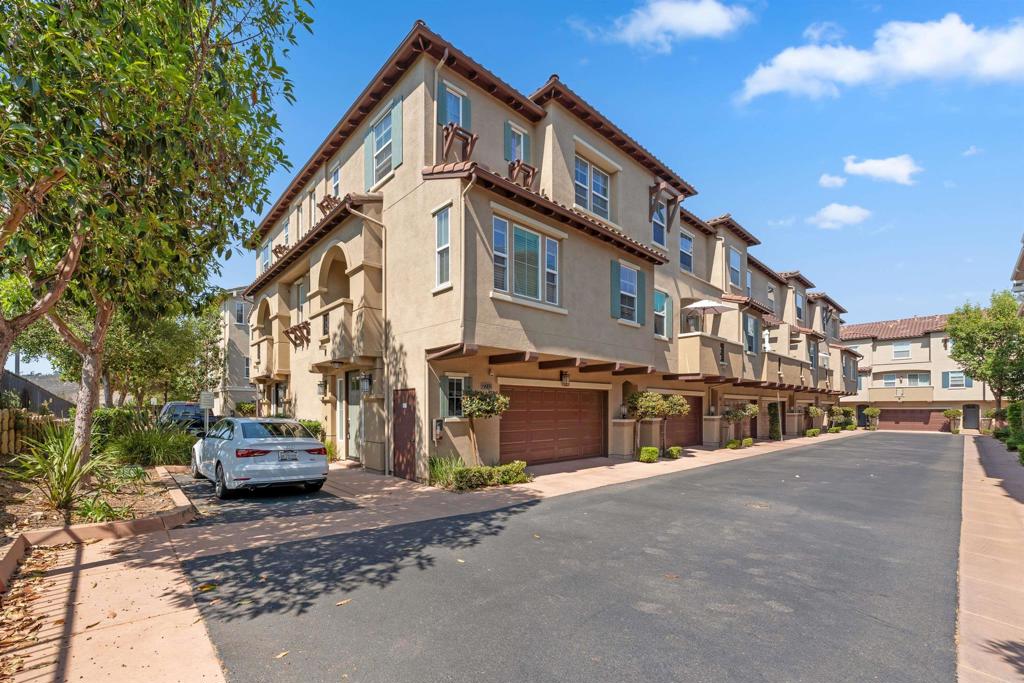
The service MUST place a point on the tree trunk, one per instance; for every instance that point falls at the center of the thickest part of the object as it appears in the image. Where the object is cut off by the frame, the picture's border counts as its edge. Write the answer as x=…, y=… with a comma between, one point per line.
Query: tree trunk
x=999, y=399
x=108, y=391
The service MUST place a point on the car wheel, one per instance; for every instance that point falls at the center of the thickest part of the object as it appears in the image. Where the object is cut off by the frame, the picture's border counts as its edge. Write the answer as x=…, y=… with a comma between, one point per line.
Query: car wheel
x=196, y=474
x=313, y=488
x=220, y=487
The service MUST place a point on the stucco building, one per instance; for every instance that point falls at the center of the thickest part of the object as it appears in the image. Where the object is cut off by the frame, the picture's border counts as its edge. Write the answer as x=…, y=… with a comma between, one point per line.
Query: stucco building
x=236, y=385
x=907, y=372
x=453, y=234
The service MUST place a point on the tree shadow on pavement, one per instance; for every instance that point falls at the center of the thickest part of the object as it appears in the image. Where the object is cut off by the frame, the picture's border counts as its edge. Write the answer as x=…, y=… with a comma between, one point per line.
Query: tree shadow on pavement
x=1001, y=464
x=258, y=505
x=290, y=577
x=1011, y=651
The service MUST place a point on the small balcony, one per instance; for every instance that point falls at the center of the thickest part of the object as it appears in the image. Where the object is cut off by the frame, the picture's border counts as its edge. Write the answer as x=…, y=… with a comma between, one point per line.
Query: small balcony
x=785, y=370
x=710, y=356
x=271, y=361
x=900, y=393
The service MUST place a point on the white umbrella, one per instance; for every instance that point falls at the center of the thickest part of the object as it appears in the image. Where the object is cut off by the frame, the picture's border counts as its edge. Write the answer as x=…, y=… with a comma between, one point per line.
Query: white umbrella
x=706, y=306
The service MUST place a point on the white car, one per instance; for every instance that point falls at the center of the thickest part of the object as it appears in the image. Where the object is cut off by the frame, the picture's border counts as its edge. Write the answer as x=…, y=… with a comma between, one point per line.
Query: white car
x=251, y=453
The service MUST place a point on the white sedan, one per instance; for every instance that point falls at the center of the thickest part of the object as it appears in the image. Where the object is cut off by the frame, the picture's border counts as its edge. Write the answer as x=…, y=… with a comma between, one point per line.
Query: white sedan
x=251, y=453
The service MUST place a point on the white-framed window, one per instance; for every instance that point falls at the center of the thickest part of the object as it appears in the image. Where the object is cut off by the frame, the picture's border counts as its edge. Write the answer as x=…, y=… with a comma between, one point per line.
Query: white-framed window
x=771, y=297
x=287, y=227
x=627, y=293
x=749, y=333
x=685, y=251
x=300, y=301
x=750, y=284
x=453, y=110
x=593, y=188
x=735, y=267
x=517, y=143
x=660, y=314
x=336, y=181
x=526, y=254
x=860, y=382
x=824, y=358
x=455, y=388
x=551, y=271
x=311, y=206
x=442, y=257
x=298, y=222
x=247, y=367
x=889, y=379
x=382, y=148
x=812, y=354
x=957, y=380
x=265, y=257
x=918, y=379
x=499, y=236
x=239, y=312
x=799, y=307
x=658, y=224
x=900, y=350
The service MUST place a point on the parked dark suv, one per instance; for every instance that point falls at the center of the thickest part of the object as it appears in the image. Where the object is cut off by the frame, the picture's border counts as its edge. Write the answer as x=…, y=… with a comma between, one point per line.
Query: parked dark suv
x=186, y=414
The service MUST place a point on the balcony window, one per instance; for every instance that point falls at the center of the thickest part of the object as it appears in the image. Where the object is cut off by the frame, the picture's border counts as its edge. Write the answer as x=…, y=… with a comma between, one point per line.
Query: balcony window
x=442, y=247
x=661, y=323
x=453, y=101
x=499, y=235
x=686, y=251
x=918, y=379
x=889, y=380
x=593, y=188
x=658, y=224
x=901, y=350
x=627, y=293
x=515, y=143
x=735, y=269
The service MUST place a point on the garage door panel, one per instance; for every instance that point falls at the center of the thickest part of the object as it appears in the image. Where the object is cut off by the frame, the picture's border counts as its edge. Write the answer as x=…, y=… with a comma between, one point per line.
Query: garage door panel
x=686, y=430
x=543, y=425
x=912, y=419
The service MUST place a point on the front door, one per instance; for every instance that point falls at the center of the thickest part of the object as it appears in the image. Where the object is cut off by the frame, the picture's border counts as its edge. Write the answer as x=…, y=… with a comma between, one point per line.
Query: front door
x=403, y=414
x=353, y=423
x=862, y=419
x=972, y=416
x=753, y=423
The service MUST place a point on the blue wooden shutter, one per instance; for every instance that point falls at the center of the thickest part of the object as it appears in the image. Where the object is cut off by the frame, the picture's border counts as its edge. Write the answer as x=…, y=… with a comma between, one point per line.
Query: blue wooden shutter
x=396, y=133
x=945, y=380
x=669, y=329
x=467, y=113
x=368, y=158
x=442, y=101
x=527, y=155
x=641, y=297
x=508, y=141
x=615, y=290
x=968, y=382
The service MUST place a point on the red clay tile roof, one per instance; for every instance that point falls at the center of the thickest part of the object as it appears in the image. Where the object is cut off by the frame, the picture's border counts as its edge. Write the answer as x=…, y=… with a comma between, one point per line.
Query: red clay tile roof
x=694, y=222
x=771, y=321
x=904, y=328
x=845, y=349
x=808, y=330
x=796, y=275
x=747, y=301
x=815, y=296
x=489, y=180
x=728, y=222
x=557, y=91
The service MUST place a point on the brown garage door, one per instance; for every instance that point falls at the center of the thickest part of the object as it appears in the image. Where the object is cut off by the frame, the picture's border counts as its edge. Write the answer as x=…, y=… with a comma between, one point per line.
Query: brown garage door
x=685, y=430
x=916, y=419
x=544, y=425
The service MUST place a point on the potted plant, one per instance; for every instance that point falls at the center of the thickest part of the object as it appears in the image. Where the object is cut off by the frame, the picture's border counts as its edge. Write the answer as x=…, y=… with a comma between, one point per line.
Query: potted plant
x=954, y=416
x=872, y=413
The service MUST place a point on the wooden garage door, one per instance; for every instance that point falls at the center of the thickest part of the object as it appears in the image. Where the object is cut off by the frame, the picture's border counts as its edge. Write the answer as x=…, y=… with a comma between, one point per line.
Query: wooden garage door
x=916, y=419
x=686, y=429
x=544, y=425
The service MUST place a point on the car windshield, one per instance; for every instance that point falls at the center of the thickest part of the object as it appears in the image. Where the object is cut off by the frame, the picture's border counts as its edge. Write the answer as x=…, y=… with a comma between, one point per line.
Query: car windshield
x=184, y=411
x=266, y=430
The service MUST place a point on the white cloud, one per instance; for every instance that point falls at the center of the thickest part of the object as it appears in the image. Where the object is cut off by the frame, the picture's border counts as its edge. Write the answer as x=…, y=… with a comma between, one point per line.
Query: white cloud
x=823, y=32
x=835, y=216
x=903, y=51
x=972, y=151
x=658, y=24
x=899, y=169
x=831, y=181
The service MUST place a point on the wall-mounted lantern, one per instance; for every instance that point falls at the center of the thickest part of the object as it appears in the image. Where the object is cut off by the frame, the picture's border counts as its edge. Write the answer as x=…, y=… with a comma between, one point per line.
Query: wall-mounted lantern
x=563, y=376
x=321, y=388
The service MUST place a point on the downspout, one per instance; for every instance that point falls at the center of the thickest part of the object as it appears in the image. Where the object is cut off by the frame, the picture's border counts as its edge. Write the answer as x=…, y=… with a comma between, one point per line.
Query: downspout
x=462, y=261
x=433, y=138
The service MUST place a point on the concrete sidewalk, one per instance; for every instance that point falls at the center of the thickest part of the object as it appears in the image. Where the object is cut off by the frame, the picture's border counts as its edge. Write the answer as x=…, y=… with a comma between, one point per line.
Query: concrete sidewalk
x=991, y=618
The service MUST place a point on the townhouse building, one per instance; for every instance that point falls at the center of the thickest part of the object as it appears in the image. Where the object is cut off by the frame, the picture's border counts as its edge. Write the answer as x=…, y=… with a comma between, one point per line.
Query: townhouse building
x=235, y=385
x=453, y=234
x=907, y=372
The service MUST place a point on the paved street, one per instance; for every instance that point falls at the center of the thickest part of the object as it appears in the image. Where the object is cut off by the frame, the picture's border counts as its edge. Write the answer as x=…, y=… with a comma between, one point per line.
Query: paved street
x=833, y=562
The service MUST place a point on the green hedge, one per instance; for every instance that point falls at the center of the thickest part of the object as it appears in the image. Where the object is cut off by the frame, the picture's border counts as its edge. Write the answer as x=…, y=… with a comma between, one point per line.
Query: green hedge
x=850, y=428
x=674, y=452
x=648, y=454
x=733, y=444
x=812, y=432
x=315, y=427
x=834, y=430
x=774, y=422
x=749, y=441
x=466, y=478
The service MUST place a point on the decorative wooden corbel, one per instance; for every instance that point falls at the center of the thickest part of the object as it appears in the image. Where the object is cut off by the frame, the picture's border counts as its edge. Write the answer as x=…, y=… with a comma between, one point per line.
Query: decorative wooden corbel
x=328, y=204
x=452, y=133
x=280, y=250
x=522, y=173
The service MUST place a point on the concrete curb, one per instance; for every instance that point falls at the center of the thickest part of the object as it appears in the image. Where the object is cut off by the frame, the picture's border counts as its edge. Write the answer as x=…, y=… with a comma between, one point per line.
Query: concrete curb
x=182, y=513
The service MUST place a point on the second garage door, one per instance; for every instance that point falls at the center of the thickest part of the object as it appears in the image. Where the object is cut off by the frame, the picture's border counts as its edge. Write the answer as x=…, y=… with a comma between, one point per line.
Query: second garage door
x=545, y=425
x=912, y=419
x=685, y=430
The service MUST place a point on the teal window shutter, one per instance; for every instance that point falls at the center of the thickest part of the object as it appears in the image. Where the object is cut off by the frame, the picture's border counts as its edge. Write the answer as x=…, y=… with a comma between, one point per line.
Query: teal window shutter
x=467, y=113
x=968, y=382
x=641, y=297
x=615, y=290
x=368, y=158
x=527, y=156
x=945, y=380
x=669, y=329
x=508, y=141
x=442, y=112
x=396, y=133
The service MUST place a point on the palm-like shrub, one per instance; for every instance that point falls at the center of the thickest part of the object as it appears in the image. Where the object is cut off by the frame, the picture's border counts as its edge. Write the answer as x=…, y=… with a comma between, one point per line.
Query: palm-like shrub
x=148, y=442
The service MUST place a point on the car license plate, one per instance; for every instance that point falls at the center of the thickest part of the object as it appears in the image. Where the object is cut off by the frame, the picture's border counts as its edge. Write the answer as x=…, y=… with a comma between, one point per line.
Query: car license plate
x=288, y=455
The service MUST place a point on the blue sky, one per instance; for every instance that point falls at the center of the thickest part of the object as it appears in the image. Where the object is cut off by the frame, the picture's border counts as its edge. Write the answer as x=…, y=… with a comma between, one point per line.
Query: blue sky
x=920, y=121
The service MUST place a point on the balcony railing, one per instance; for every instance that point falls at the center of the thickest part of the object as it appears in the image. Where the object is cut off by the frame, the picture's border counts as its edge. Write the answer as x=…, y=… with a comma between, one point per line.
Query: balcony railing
x=900, y=393
x=710, y=356
x=786, y=370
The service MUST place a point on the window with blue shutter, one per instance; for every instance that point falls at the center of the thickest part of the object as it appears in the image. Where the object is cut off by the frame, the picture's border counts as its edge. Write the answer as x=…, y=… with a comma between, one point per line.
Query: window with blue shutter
x=615, y=289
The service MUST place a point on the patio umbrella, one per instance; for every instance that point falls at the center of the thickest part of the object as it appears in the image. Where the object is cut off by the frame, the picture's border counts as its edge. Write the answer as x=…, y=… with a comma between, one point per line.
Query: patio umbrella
x=706, y=306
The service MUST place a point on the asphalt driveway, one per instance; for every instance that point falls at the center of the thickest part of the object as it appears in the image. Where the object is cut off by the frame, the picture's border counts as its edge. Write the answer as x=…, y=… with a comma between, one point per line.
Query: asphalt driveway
x=824, y=563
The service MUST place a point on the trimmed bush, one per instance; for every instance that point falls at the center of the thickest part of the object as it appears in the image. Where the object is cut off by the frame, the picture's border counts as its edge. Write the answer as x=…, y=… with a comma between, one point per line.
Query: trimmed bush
x=674, y=452
x=315, y=427
x=245, y=409
x=834, y=430
x=1001, y=433
x=649, y=454
x=774, y=422
x=749, y=441
x=850, y=427
x=733, y=444
x=465, y=478
x=812, y=432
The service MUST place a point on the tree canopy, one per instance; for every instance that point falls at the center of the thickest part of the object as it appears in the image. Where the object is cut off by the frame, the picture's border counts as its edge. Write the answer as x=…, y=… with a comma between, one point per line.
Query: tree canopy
x=988, y=343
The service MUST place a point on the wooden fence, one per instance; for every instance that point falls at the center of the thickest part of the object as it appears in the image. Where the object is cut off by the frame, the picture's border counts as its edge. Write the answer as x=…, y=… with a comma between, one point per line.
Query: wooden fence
x=16, y=425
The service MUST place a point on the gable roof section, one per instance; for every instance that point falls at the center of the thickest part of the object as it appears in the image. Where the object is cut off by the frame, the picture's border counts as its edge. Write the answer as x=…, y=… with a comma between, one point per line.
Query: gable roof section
x=418, y=42
x=557, y=91
x=694, y=222
x=729, y=223
x=822, y=296
x=760, y=265
x=796, y=275
x=553, y=210
x=750, y=302
x=903, y=328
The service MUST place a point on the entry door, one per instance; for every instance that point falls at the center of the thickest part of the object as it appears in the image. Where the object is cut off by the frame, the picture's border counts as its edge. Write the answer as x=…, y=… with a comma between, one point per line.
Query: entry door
x=971, y=416
x=403, y=415
x=753, y=423
x=353, y=424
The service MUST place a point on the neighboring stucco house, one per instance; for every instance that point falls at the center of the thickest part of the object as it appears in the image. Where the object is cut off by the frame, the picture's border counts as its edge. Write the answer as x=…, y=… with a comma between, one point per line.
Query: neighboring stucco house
x=907, y=372
x=452, y=233
x=235, y=386
x=1017, y=276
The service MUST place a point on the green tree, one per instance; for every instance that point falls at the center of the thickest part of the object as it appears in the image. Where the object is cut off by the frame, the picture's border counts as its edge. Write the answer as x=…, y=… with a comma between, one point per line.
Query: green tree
x=648, y=405
x=988, y=343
